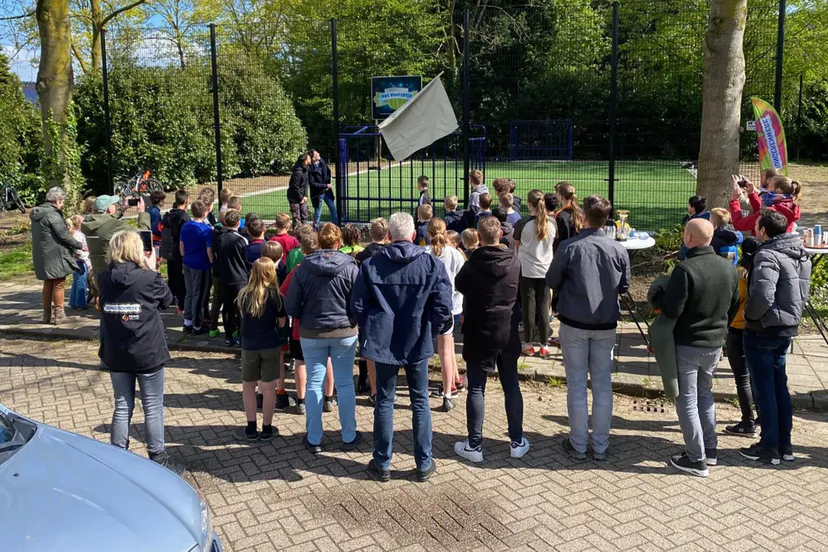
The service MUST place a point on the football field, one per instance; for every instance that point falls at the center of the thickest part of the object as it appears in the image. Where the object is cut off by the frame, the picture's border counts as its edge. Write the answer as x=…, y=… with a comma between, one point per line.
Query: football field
x=655, y=192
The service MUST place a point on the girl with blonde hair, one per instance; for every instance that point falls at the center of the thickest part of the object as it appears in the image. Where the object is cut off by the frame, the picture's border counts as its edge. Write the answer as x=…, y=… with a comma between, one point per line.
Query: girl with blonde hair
x=262, y=315
x=453, y=261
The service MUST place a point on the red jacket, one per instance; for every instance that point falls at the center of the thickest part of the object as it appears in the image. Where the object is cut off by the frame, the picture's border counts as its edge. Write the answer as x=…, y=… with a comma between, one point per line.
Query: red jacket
x=746, y=224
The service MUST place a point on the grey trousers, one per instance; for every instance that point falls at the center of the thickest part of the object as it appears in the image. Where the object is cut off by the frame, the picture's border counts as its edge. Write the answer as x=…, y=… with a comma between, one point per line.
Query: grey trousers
x=694, y=405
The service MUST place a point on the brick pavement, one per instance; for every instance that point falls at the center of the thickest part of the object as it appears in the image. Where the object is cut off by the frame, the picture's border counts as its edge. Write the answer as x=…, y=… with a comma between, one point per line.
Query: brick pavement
x=278, y=496
x=636, y=371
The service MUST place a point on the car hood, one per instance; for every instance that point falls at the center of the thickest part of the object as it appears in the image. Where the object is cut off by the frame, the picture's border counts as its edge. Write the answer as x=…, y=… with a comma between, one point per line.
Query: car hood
x=62, y=491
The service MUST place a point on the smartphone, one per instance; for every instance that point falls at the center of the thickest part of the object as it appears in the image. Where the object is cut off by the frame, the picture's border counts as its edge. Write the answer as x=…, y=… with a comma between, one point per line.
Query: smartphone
x=742, y=183
x=132, y=201
x=146, y=238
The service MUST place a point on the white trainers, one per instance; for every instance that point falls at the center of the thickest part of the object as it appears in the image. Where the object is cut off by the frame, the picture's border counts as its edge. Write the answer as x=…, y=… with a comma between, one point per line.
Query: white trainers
x=471, y=454
x=518, y=450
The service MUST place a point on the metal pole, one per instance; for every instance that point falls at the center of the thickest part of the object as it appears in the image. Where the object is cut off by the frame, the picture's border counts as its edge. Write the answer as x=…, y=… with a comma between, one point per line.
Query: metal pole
x=799, y=116
x=613, y=122
x=338, y=163
x=216, y=115
x=780, y=54
x=107, y=114
x=466, y=109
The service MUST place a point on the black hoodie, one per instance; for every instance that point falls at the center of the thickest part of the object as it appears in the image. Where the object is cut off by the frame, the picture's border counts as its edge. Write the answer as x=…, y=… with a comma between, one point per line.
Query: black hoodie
x=298, y=184
x=132, y=333
x=489, y=284
x=171, y=225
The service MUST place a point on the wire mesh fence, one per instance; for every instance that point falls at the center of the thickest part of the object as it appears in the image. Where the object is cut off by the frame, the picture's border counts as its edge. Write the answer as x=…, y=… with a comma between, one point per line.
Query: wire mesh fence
x=606, y=95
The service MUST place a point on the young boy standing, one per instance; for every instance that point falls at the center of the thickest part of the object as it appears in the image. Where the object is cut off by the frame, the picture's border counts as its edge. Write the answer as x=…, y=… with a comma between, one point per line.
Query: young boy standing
x=256, y=230
x=224, y=197
x=216, y=296
x=196, y=248
x=288, y=242
x=157, y=198
x=233, y=269
x=507, y=201
x=422, y=187
x=485, y=203
x=171, y=249
x=424, y=214
x=478, y=189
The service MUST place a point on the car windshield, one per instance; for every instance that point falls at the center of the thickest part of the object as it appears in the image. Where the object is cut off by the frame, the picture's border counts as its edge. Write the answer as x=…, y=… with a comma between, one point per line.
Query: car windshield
x=7, y=430
x=15, y=432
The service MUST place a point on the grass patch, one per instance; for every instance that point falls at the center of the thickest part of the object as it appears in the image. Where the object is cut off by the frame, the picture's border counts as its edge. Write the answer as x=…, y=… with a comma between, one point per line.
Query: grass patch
x=555, y=382
x=16, y=262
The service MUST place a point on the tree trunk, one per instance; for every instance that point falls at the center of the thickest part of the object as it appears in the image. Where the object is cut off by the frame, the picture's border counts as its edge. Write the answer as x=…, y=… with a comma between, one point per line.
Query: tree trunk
x=724, y=79
x=97, y=25
x=54, y=82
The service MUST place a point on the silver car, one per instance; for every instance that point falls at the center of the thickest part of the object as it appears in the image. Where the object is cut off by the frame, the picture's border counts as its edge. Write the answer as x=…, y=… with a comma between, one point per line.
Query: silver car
x=63, y=492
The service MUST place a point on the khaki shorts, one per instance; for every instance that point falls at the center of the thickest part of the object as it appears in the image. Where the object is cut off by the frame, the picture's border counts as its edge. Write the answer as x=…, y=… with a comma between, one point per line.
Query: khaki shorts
x=260, y=365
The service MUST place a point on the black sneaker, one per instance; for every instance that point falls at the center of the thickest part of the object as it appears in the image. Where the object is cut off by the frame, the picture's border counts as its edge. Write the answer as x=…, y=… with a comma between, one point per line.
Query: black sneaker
x=242, y=434
x=744, y=429
x=682, y=462
x=354, y=443
x=237, y=342
x=330, y=404
x=228, y=340
x=315, y=449
x=711, y=457
x=437, y=393
x=758, y=453
x=448, y=404
x=268, y=433
x=200, y=331
x=424, y=475
x=786, y=452
x=163, y=459
x=187, y=330
x=282, y=402
x=566, y=445
x=378, y=474
x=259, y=401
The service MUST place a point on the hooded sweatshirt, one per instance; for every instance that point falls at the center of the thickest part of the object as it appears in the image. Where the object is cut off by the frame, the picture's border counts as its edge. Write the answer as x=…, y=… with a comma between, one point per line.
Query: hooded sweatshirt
x=779, y=287
x=298, y=184
x=489, y=282
x=725, y=243
x=320, y=295
x=780, y=203
x=132, y=333
x=508, y=237
x=402, y=300
x=171, y=225
x=474, y=198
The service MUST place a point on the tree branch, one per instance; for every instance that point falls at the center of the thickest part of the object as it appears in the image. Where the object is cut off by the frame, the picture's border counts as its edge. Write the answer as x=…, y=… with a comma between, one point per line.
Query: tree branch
x=20, y=16
x=119, y=11
x=79, y=57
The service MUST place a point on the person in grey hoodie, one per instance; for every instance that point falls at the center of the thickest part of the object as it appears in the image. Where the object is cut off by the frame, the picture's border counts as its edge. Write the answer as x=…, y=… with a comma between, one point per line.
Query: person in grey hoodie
x=478, y=189
x=779, y=286
x=320, y=296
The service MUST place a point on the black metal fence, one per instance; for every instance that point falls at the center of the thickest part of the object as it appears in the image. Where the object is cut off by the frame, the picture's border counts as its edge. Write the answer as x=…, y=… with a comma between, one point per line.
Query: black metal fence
x=607, y=95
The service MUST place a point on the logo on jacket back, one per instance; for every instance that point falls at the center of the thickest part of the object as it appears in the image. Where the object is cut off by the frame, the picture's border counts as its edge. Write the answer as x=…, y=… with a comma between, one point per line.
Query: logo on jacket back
x=127, y=311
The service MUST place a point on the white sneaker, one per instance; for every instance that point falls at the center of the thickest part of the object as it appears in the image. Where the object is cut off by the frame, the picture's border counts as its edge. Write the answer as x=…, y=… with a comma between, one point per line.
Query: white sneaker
x=518, y=450
x=471, y=454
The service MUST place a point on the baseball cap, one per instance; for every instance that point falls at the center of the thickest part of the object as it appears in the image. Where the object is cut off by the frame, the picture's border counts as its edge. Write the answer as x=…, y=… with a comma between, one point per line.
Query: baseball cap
x=103, y=202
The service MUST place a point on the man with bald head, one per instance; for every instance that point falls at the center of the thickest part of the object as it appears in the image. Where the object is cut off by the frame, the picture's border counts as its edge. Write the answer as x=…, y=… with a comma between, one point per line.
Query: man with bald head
x=703, y=297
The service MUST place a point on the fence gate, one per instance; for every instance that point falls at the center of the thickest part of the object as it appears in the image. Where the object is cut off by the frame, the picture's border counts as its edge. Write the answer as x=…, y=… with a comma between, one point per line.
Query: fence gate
x=373, y=184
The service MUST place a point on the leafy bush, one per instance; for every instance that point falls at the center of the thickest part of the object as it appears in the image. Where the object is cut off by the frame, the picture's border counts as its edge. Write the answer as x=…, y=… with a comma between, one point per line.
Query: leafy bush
x=669, y=240
x=162, y=119
x=21, y=141
x=812, y=138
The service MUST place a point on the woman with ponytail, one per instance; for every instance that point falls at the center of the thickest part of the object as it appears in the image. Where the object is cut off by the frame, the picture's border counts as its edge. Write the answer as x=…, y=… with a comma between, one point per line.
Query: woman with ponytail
x=534, y=240
x=783, y=196
x=569, y=216
x=453, y=261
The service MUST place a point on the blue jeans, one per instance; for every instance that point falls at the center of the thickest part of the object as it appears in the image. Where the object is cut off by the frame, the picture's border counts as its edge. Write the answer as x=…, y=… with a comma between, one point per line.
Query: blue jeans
x=152, y=400
x=588, y=352
x=328, y=198
x=417, y=376
x=695, y=406
x=77, y=295
x=341, y=350
x=766, y=361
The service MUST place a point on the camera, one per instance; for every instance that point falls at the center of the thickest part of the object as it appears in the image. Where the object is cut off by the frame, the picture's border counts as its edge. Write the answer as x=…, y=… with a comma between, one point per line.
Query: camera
x=132, y=201
x=742, y=183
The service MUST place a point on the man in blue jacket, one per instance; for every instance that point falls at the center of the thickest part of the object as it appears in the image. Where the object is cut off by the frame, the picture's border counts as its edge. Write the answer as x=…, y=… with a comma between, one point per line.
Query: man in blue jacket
x=402, y=301
x=321, y=189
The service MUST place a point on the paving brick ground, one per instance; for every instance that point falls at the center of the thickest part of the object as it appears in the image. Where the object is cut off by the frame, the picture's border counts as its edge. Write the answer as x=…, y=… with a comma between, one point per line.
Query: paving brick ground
x=279, y=497
x=636, y=371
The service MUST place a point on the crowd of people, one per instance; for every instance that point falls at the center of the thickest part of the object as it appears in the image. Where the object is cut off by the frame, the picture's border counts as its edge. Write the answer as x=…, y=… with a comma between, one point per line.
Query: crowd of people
x=492, y=273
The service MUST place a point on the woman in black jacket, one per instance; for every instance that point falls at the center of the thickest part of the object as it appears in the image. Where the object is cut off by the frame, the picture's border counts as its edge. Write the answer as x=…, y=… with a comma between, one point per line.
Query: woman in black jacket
x=133, y=344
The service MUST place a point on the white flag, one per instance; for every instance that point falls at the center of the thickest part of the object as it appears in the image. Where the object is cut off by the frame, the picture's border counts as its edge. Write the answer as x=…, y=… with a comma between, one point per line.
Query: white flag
x=420, y=122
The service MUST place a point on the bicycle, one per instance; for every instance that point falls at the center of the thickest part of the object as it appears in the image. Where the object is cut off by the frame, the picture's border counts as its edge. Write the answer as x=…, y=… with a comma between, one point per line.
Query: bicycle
x=140, y=184
x=9, y=199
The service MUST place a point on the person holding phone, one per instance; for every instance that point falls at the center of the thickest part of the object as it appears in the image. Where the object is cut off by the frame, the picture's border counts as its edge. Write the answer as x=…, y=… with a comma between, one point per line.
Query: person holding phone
x=100, y=227
x=133, y=347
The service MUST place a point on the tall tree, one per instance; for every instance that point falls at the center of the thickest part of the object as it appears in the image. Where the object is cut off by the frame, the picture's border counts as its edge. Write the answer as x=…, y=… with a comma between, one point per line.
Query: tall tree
x=92, y=16
x=54, y=83
x=724, y=79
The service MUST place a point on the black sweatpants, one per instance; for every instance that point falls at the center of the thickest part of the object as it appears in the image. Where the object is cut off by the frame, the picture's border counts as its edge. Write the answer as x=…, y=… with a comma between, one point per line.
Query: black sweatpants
x=534, y=300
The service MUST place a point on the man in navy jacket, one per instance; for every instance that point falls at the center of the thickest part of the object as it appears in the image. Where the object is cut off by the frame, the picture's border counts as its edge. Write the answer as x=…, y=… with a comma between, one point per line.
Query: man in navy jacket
x=321, y=189
x=402, y=301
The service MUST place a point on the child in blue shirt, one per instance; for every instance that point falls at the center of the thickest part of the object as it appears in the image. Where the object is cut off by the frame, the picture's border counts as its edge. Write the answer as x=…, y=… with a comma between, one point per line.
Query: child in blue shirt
x=424, y=214
x=196, y=247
